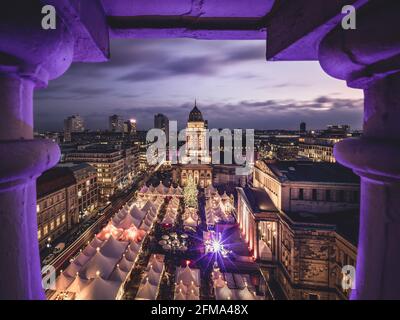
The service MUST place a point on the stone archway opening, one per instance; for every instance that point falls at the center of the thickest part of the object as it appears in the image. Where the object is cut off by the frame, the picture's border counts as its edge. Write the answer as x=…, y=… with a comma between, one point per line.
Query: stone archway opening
x=366, y=58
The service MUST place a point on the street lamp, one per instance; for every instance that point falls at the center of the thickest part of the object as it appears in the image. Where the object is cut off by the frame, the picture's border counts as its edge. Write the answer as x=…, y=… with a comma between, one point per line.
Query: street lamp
x=48, y=242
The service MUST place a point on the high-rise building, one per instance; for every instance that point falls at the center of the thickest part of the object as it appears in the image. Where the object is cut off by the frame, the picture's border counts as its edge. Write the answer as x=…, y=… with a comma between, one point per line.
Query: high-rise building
x=161, y=121
x=319, y=147
x=303, y=127
x=109, y=163
x=72, y=124
x=116, y=123
x=130, y=126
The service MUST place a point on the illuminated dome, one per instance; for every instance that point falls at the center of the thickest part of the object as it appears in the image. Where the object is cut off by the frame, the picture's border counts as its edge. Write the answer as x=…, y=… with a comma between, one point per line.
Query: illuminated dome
x=195, y=115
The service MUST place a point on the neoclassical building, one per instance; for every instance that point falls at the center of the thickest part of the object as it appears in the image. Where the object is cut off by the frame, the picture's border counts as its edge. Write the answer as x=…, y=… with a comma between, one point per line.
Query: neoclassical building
x=300, y=221
x=196, y=163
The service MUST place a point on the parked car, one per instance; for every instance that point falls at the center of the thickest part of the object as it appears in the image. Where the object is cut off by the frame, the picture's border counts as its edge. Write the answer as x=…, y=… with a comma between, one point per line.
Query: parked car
x=48, y=258
x=59, y=247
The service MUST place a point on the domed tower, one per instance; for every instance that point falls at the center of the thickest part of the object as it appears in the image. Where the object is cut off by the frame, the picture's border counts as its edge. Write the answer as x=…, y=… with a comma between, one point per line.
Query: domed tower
x=197, y=155
x=195, y=115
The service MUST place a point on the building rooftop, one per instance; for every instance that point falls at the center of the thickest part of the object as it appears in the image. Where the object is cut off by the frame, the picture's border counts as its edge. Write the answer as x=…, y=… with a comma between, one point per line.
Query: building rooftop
x=195, y=115
x=346, y=223
x=53, y=180
x=259, y=200
x=98, y=148
x=74, y=166
x=313, y=172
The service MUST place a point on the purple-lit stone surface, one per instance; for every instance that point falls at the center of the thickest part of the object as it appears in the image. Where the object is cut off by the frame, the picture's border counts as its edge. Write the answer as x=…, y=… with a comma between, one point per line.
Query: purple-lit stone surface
x=146, y=7
x=22, y=160
x=203, y=8
x=236, y=8
x=31, y=51
x=30, y=56
x=205, y=19
x=375, y=158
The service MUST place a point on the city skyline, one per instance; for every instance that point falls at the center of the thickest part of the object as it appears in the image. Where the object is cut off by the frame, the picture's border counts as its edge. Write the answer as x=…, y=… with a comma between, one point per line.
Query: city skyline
x=145, y=77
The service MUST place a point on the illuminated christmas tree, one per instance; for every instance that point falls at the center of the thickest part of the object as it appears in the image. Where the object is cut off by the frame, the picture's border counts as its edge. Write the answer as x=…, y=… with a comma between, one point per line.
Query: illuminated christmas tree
x=190, y=193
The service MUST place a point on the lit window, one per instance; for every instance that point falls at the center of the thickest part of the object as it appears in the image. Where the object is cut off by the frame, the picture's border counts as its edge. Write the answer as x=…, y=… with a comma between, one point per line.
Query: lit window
x=45, y=230
x=51, y=225
x=37, y=208
x=79, y=193
x=39, y=234
x=63, y=218
x=58, y=221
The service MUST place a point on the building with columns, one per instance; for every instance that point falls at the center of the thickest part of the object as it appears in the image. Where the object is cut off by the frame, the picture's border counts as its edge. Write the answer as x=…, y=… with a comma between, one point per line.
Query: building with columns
x=300, y=221
x=366, y=58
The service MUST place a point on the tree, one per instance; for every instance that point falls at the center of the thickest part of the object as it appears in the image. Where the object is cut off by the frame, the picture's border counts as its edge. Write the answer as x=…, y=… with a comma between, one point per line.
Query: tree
x=190, y=193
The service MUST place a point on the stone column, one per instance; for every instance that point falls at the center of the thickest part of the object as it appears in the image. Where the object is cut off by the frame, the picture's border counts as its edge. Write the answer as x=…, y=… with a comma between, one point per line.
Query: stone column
x=257, y=244
x=30, y=56
x=376, y=159
x=22, y=160
x=368, y=58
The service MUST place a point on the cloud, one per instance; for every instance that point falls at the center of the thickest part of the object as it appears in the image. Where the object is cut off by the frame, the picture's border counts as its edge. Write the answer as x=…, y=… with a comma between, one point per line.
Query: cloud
x=235, y=85
x=245, y=54
x=200, y=66
x=268, y=114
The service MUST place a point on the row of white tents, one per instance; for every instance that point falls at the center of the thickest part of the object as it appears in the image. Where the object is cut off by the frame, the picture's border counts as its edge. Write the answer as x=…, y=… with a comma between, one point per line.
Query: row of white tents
x=217, y=212
x=171, y=212
x=187, y=284
x=190, y=218
x=150, y=284
x=218, y=208
x=233, y=286
x=160, y=190
x=100, y=270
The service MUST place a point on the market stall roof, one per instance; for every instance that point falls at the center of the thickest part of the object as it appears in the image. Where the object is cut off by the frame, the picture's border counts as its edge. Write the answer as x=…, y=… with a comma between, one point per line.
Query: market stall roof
x=78, y=284
x=118, y=275
x=137, y=213
x=99, y=289
x=146, y=291
x=180, y=295
x=188, y=275
x=98, y=265
x=148, y=206
x=126, y=262
x=244, y=294
x=72, y=269
x=63, y=281
x=113, y=248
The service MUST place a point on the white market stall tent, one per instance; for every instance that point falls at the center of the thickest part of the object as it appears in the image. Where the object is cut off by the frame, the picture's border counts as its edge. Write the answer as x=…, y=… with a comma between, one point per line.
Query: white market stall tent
x=101, y=269
x=150, y=284
x=187, y=283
